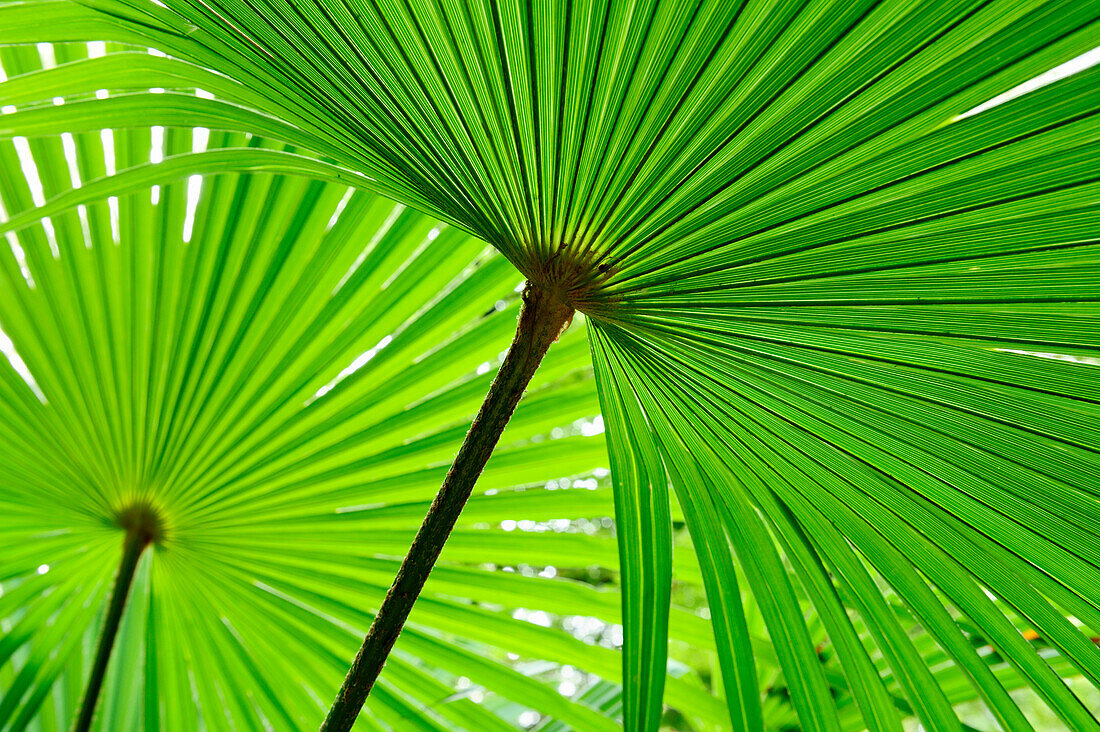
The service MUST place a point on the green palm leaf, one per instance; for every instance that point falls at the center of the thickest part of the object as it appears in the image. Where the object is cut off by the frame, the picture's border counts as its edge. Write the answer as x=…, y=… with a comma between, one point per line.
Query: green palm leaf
x=282, y=385
x=843, y=306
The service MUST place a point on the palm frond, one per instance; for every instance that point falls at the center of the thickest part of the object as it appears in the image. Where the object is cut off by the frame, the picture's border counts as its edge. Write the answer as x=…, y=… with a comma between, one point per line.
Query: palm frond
x=842, y=304
x=284, y=383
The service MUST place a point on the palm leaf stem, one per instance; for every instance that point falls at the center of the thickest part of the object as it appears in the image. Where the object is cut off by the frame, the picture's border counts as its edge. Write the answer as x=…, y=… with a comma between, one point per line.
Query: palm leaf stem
x=542, y=319
x=142, y=529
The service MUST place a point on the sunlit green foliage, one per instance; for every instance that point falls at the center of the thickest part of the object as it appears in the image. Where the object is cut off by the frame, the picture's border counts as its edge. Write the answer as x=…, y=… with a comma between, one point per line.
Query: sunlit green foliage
x=843, y=317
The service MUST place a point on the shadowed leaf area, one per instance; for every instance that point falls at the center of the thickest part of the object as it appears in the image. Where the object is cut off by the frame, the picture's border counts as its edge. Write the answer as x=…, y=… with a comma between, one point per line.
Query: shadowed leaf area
x=841, y=318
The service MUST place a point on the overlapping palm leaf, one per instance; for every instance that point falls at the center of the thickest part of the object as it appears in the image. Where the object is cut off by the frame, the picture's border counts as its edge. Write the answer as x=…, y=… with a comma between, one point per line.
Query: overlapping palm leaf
x=282, y=368
x=844, y=307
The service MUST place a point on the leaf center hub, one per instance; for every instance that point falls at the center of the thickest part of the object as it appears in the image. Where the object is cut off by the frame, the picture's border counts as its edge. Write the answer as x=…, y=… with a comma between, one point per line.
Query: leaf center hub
x=142, y=521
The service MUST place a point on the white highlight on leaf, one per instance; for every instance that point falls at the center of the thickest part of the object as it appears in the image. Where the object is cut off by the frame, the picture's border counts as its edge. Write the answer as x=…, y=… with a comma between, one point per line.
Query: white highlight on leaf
x=34, y=185
x=8, y=349
x=194, y=190
x=339, y=208
x=51, y=236
x=200, y=137
x=30, y=170
x=154, y=195
x=374, y=240
x=361, y=507
x=96, y=49
x=45, y=52
x=107, y=137
x=112, y=207
x=616, y=636
x=411, y=258
x=156, y=144
x=43, y=568
x=1059, y=72
x=361, y=360
x=17, y=250
x=85, y=228
x=593, y=428
x=1085, y=360
x=308, y=608
x=68, y=145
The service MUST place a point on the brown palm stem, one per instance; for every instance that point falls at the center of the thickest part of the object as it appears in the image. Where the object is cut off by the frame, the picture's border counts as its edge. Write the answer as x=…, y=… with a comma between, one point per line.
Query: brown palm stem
x=136, y=541
x=542, y=318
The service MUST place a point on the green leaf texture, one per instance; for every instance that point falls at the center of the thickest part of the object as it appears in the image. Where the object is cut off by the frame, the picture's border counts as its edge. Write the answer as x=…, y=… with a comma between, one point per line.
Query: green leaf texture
x=843, y=308
x=287, y=387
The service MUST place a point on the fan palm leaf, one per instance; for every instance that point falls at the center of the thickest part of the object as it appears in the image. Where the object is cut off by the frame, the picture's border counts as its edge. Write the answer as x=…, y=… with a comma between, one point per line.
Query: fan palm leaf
x=275, y=366
x=840, y=288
